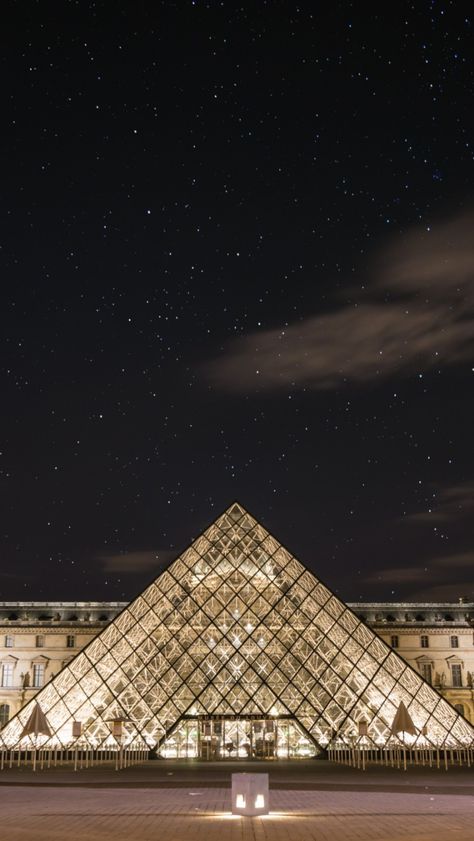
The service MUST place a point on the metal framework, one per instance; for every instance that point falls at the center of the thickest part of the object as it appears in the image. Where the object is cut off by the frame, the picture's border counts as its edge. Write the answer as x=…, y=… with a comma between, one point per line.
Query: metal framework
x=237, y=629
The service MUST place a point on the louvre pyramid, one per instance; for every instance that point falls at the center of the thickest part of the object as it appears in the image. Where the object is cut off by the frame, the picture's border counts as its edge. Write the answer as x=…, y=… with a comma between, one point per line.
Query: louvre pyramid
x=236, y=627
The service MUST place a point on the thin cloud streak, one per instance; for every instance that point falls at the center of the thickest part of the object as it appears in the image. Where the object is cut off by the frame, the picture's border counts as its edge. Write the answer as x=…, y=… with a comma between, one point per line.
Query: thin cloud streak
x=446, y=592
x=141, y=561
x=436, y=574
x=439, y=260
x=448, y=505
x=417, y=313
x=398, y=575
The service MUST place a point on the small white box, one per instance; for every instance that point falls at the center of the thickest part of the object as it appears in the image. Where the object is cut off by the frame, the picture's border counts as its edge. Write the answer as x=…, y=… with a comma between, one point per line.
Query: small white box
x=250, y=794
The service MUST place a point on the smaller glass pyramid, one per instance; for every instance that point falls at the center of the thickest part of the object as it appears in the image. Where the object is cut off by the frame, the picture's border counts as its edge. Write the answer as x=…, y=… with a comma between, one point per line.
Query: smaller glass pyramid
x=237, y=638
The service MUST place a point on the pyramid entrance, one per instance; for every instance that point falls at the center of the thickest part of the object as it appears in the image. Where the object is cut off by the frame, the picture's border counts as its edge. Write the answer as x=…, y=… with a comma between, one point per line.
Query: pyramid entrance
x=214, y=737
x=236, y=648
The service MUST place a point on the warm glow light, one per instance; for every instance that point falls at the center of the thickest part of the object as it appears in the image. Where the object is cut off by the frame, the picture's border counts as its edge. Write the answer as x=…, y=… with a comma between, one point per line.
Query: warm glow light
x=259, y=801
x=240, y=801
x=280, y=815
x=227, y=816
x=169, y=705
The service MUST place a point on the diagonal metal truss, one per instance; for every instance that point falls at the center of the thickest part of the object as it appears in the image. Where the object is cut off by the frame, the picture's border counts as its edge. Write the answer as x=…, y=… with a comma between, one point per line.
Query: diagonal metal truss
x=237, y=626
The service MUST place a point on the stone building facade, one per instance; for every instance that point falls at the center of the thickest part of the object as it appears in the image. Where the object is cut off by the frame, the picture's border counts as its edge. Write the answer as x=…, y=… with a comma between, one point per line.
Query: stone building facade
x=37, y=639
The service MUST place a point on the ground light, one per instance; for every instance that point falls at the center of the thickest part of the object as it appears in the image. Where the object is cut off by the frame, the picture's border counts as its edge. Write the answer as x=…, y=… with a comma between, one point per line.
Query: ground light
x=250, y=794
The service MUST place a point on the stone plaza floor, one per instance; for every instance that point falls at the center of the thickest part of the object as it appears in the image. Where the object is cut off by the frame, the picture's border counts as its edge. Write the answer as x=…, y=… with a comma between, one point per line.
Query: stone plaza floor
x=314, y=801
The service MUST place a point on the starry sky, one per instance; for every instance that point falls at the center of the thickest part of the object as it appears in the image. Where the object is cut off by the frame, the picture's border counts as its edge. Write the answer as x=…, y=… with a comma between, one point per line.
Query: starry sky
x=237, y=262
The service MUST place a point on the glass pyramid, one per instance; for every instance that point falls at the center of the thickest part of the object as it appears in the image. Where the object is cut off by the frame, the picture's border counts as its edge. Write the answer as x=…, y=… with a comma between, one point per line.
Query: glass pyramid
x=237, y=637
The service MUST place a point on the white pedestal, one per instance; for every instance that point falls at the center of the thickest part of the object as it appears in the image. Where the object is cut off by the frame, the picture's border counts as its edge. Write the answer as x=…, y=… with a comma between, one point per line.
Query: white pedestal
x=250, y=794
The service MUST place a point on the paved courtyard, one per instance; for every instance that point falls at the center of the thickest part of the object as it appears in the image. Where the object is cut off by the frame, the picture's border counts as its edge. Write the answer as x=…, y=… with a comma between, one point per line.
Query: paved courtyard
x=146, y=803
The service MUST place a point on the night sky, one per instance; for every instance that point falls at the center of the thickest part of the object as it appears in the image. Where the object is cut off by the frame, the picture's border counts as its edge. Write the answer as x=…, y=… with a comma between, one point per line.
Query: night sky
x=237, y=262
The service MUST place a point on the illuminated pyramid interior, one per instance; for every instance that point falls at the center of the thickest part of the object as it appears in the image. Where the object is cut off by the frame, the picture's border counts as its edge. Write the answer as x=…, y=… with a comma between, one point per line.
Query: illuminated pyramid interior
x=237, y=650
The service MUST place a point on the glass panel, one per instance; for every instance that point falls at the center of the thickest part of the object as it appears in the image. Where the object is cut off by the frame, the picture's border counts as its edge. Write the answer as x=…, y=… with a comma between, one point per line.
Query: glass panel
x=225, y=631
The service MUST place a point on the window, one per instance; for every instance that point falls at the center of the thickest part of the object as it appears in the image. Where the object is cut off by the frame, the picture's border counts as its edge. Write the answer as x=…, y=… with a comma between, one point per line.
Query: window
x=38, y=674
x=70, y=641
x=454, y=642
x=424, y=641
x=40, y=641
x=8, y=641
x=426, y=672
x=456, y=674
x=7, y=674
x=394, y=641
x=4, y=714
x=459, y=708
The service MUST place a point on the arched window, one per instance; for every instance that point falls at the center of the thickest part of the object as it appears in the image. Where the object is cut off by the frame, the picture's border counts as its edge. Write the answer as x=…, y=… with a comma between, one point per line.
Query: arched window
x=459, y=708
x=4, y=714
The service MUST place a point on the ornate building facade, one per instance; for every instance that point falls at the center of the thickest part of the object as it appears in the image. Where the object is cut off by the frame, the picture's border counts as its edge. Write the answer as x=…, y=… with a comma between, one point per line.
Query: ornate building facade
x=37, y=639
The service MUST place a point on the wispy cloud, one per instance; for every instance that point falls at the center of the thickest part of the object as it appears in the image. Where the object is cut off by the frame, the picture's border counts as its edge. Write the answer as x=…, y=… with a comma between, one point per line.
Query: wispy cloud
x=398, y=575
x=434, y=578
x=446, y=592
x=417, y=312
x=16, y=576
x=459, y=560
x=435, y=570
x=447, y=505
x=436, y=259
x=140, y=561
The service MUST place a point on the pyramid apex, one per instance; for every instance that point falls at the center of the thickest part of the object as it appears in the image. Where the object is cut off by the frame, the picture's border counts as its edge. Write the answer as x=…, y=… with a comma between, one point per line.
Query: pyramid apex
x=236, y=509
x=235, y=515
